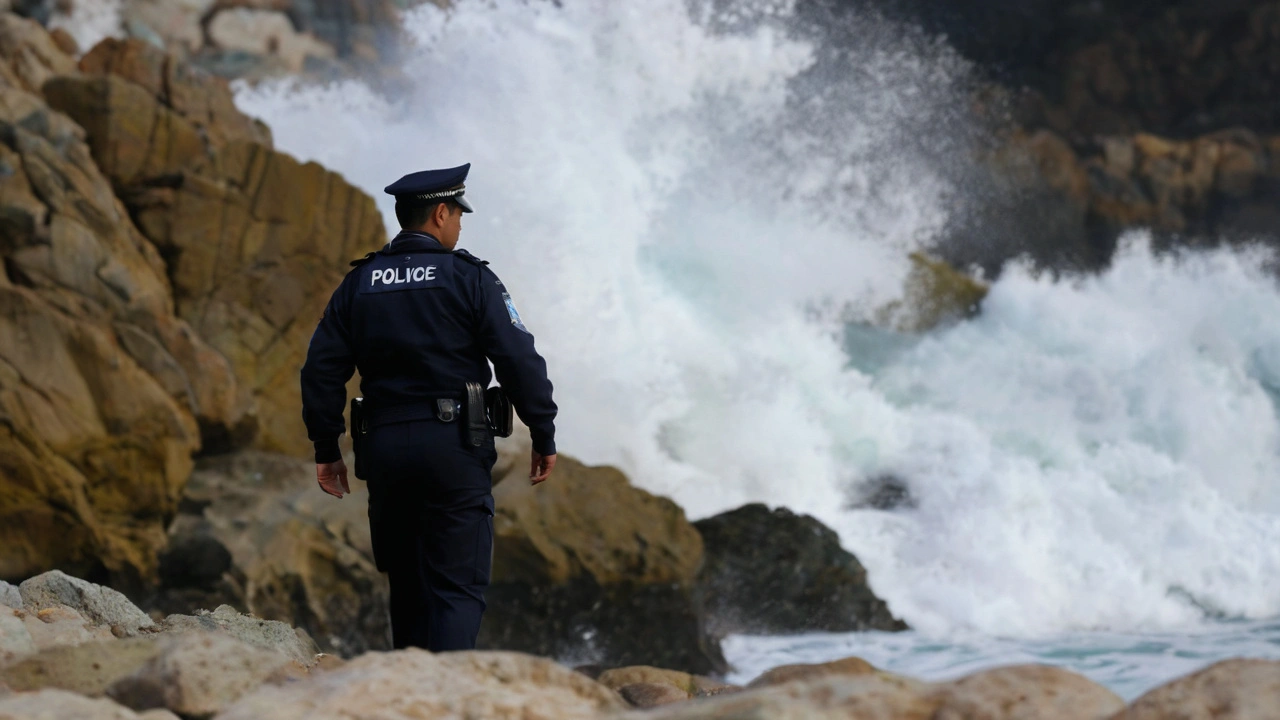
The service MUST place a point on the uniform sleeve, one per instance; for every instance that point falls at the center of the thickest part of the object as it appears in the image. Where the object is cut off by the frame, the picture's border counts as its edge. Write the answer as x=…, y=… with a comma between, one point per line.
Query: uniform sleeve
x=519, y=368
x=330, y=364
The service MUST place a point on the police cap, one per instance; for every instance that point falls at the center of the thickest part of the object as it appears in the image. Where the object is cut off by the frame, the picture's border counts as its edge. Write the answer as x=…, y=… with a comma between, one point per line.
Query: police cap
x=433, y=186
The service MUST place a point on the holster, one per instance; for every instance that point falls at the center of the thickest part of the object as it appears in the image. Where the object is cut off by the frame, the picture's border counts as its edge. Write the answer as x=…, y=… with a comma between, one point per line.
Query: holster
x=359, y=430
x=499, y=412
x=477, y=422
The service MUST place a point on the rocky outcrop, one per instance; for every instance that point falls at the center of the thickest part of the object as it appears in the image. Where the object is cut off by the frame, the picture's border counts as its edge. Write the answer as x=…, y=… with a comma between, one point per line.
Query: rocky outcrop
x=414, y=683
x=772, y=571
x=103, y=390
x=100, y=605
x=1228, y=690
x=589, y=566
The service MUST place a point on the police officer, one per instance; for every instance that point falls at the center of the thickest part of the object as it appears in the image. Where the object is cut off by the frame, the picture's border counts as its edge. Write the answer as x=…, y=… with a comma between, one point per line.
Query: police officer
x=419, y=320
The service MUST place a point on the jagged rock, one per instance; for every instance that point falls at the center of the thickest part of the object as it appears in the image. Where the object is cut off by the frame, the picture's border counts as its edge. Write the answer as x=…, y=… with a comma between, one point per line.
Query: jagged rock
x=414, y=683
x=1025, y=691
x=772, y=571
x=197, y=675
x=61, y=705
x=270, y=635
x=589, y=565
x=868, y=697
x=1227, y=690
x=851, y=666
x=101, y=605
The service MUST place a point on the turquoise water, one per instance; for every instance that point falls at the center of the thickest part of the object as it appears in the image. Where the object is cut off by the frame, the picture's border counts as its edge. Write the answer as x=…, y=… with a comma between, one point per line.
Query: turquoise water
x=1130, y=663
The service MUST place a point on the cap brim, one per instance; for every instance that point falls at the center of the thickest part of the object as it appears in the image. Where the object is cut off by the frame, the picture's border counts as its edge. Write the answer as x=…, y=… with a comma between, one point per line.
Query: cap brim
x=462, y=203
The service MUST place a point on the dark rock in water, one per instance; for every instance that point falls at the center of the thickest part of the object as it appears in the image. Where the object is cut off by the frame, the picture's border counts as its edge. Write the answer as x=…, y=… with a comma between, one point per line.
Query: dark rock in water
x=884, y=492
x=772, y=571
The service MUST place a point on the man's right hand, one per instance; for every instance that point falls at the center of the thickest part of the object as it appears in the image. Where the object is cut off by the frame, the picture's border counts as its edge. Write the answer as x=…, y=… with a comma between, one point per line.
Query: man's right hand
x=540, y=467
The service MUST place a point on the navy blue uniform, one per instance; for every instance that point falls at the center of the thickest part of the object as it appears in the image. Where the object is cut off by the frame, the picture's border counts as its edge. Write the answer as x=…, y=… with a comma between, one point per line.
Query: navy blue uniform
x=419, y=322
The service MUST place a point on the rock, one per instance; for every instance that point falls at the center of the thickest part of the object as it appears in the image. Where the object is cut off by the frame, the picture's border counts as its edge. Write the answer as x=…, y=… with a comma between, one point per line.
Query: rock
x=296, y=555
x=177, y=22
x=87, y=669
x=647, y=695
x=65, y=42
x=414, y=683
x=61, y=626
x=869, y=697
x=101, y=605
x=772, y=571
x=29, y=55
x=270, y=635
x=157, y=714
x=852, y=666
x=9, y=595
x=265, y=32
x=1025, y=691
x=617, y=678
x=197, y=675
x=1228, y=690
x=934, y=294
x=60, y=705
x=15, y=640
x=591, y=566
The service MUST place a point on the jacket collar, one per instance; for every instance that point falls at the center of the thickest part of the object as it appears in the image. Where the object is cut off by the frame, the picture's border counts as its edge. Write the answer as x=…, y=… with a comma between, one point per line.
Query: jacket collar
x=413, y=241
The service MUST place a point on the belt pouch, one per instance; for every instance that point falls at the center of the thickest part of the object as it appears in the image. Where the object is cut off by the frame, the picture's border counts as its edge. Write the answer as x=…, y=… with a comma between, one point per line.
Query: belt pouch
x=498, y=408
x=477, y=423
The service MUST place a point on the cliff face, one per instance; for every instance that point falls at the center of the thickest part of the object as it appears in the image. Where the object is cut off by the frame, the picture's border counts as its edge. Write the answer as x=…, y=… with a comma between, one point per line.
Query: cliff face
x=163, y=269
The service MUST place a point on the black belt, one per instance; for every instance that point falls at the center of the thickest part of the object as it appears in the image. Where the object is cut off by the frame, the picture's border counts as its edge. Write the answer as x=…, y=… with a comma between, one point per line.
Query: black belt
x=444, y=409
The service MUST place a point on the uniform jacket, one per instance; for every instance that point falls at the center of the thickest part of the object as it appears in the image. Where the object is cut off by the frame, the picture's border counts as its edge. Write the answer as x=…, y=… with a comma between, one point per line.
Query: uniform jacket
x=419, y=322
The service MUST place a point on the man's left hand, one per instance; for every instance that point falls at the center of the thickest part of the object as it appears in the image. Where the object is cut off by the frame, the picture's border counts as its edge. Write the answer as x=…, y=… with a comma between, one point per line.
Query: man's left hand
x=333, y=478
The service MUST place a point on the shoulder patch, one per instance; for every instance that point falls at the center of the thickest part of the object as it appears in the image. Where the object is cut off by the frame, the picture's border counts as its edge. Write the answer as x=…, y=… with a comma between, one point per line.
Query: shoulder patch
x=511, y=311
x=365, y=259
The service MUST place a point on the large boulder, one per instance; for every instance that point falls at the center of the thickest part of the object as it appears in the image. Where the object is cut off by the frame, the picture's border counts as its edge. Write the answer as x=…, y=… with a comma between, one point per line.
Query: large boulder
x=105, y=392
x=414, y=683
x=268, y=635
x=1025, y=691
x=772, y=571
x=100, y=605
x=1228, y=690
x=588, y=566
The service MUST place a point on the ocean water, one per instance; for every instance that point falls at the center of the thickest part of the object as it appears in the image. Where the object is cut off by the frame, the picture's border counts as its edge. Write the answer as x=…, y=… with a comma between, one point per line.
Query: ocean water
x=699, y=206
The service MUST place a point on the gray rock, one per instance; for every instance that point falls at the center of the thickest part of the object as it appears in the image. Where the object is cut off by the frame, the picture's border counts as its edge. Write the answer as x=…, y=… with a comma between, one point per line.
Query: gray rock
x=15, y=641
x=87, y=669
x=102, y=606
x=9, y=595
x=265, y=634
x=197, y=675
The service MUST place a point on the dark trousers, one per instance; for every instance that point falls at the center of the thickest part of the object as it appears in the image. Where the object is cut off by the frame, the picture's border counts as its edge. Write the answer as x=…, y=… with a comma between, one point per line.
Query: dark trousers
x=431, y=518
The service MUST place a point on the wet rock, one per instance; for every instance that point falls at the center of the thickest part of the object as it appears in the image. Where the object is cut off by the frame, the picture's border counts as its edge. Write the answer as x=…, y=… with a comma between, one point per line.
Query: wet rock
x=1228, y=690
x=270, y=635
x=869, y=697
x=1025, y=691
x=415, y=683
x=647, y=695
x=61, y=705
x=884, y=492
x=589, y=566
x=852, y=666
x=101, y=605
x=197, y=675
x=772, y=571
x=29, y=56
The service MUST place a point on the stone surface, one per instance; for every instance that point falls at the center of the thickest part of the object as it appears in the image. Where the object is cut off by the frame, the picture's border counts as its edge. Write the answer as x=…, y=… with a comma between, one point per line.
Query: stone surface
x=1228, y=690
x=1025, y=692
x=9, y=595
x=197, y=675
x=61, y=626
x=61, y=705
x=416, y=684
x=100, y=605
x=269, y=635
x=87, y=669
x=267, y=33
x=15, y=640
x=616, y=678
x=647, y=695
x=589, y=566
x=851, y=666
x=934, y=294
x=868, y=697
x=772, y=571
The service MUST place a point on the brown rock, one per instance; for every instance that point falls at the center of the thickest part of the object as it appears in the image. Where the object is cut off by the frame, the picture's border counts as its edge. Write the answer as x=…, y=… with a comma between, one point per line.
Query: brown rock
x=65, y=42
x=28, y=55
x=87, y=669
x=878, y=696
x=1228, y=690
x=414, y=683
x=1025, y=692
x=647, y=695
x=851, y=666
x=644, y=674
